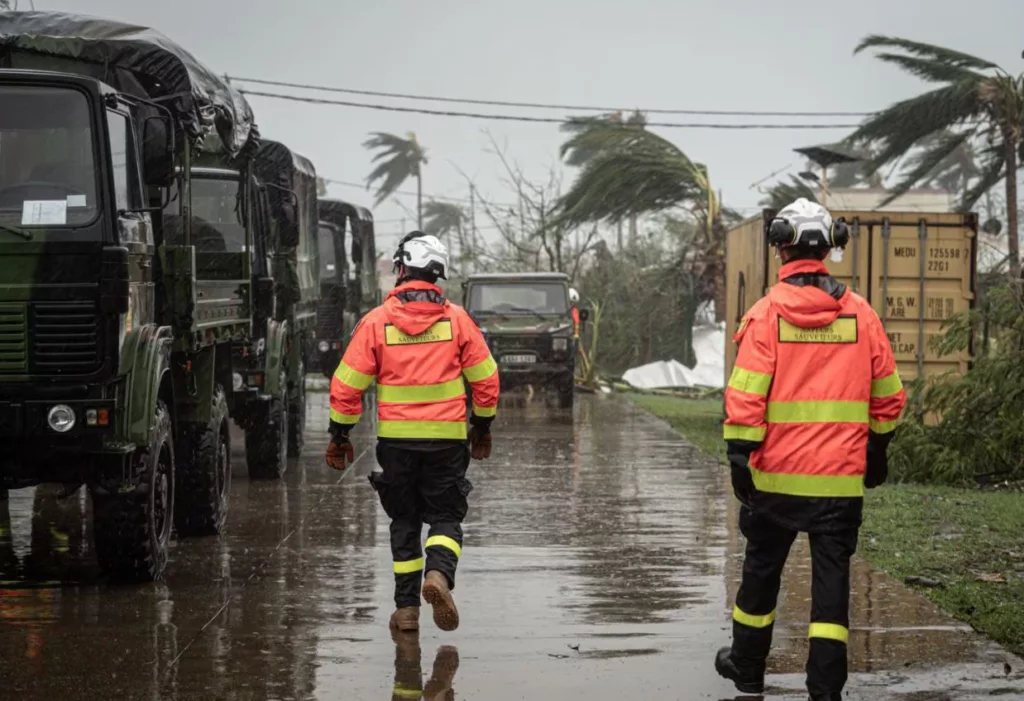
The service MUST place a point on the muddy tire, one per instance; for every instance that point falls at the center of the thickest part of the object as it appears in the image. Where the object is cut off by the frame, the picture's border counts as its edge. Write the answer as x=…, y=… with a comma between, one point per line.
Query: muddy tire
x=266, y=443
x=297, y=415
x=133, y=529
x=203, y=476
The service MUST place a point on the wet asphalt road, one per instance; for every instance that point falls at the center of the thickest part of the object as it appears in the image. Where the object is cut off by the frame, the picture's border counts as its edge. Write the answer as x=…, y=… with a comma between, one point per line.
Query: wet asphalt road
x=600, y=563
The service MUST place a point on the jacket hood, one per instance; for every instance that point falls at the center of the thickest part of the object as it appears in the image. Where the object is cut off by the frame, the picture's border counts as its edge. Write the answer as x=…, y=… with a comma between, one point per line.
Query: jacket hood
x=415, y=306
x=806, y=306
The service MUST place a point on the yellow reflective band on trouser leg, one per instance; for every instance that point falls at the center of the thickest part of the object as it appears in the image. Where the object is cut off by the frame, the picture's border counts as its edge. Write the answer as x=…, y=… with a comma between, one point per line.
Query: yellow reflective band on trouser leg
x=750, y=620
x=444, y=541
x=406, y=692
x=409, y=566
x=829, y=631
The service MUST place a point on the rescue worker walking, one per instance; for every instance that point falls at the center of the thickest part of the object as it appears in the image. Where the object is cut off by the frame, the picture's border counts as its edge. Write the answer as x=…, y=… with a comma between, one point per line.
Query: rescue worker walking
x=418, y=347
x=574, y=301
x=811, y=406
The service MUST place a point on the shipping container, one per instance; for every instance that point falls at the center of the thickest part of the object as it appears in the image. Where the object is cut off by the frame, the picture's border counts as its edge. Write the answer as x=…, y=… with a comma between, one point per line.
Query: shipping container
x=915, y=269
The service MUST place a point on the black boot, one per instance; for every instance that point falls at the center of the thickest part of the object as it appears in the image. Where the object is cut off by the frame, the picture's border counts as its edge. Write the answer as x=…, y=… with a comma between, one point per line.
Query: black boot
x=747, y=678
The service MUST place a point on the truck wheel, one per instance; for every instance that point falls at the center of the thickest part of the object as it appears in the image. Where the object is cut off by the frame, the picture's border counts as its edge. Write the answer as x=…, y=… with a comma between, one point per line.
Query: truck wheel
x=297, y=415
x=203, y=477
x=266, y=443
x=133, y=529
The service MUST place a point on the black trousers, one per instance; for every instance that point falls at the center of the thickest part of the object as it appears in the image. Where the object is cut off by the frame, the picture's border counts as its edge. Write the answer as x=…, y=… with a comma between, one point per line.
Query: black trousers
x=423, y=484
x=768, y=547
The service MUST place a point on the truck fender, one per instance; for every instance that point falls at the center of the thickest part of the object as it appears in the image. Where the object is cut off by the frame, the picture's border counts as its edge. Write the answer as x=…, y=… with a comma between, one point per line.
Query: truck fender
x=143, y=371
x=277, y=337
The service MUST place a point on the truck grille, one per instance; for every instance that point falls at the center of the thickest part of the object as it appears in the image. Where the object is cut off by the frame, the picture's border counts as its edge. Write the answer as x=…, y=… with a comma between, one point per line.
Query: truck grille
x=13, y=337
x=65, y=338
x=328, y=315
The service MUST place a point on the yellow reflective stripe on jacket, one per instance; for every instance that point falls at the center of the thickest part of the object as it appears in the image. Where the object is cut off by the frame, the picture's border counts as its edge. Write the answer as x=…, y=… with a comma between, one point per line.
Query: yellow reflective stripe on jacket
x=444, y=541
x=734, y=432
x=419, y=394
x=482, y=370
x=829, y=631
x=453, y=430
x=408, y=566
x=485, y=411
x=749, y=381
x=339, y=418
x=817, y=412
x=882, y=426
x=808, y=485
x=353, y=378
x=750, y=620
x=887, y=386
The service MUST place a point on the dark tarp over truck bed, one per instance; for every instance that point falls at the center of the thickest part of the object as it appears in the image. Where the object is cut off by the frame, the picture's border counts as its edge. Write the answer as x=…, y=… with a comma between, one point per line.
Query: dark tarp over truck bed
x=139, y=61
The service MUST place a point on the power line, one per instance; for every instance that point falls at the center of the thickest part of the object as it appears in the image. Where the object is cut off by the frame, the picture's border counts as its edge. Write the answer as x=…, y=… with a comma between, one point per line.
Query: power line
x=546, y=106
x=524, y=118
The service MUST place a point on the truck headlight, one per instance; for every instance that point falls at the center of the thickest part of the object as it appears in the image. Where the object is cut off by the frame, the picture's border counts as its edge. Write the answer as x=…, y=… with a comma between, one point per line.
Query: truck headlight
x=560, y=344
x=324, y=346
x=61, y=418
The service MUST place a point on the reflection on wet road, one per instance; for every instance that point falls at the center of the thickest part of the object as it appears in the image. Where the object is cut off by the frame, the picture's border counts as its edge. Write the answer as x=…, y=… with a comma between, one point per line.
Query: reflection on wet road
x=600, y=559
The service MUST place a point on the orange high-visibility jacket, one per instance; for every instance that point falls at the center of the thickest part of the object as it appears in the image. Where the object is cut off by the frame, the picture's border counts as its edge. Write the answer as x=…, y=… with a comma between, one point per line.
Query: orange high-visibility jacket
x=418, y=346
x=576, y=321
x=813, y=375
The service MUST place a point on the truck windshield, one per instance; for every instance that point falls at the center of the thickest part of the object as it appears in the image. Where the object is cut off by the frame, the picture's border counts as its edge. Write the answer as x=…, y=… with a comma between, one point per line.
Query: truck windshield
x=217, y=223
x=518, y=297
x=328, y=262
x=47, y=170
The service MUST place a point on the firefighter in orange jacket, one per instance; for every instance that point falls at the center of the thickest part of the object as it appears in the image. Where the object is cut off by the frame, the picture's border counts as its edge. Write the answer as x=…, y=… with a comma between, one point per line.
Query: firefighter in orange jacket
x=811, y=406
x=418, y=347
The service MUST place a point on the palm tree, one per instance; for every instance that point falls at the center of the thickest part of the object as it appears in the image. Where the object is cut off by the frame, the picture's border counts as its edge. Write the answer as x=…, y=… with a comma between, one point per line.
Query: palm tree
x=628, y=171
x=442, y=219
x=397, y=160
x=976, y=100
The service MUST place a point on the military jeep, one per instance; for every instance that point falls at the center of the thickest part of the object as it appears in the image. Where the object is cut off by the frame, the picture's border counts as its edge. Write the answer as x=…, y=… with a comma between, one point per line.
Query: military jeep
x=527, y=322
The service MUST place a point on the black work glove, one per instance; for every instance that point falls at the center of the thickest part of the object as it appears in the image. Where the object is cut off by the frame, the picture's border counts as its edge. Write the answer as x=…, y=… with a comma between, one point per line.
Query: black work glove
x=878, y=460
x=480, y=437
x=743, y=487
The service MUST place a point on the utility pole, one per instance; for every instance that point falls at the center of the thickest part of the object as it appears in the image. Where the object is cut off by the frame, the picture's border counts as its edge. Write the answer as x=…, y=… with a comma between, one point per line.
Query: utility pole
x=472, y=223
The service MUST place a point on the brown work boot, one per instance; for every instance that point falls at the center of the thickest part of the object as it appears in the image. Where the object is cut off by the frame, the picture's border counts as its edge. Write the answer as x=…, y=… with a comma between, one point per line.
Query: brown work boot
x=405, y=620
x=439, y=687
x=437, y=594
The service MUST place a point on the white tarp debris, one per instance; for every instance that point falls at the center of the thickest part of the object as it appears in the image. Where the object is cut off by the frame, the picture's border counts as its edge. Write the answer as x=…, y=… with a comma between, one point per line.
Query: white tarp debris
x=708, y=346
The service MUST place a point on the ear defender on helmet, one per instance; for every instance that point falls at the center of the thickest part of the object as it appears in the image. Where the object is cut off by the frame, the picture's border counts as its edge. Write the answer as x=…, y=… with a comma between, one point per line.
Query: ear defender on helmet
x=781, y=233
x=840, y=234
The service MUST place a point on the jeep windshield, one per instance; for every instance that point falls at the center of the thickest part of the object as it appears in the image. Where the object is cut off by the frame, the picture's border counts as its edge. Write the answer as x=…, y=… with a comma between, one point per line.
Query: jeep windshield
x=47, y=169
x=510, y=298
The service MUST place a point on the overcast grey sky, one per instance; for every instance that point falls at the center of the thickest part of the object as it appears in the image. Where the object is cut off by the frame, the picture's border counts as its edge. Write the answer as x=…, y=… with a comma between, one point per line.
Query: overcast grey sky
x=727, y=55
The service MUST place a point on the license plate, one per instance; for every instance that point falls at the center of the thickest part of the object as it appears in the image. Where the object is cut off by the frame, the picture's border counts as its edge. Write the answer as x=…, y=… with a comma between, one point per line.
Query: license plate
x=518, y=359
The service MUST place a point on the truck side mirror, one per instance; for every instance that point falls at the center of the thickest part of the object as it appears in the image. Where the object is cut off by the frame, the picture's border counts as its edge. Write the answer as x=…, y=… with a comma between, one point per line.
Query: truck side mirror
x=158, y=151
x=584, y=314
x=288, y=218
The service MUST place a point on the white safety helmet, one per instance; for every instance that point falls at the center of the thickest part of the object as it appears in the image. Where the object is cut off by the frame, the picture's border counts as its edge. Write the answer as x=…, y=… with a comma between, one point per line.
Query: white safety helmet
x=808, y=224
x=574, y=296
x=418, y=251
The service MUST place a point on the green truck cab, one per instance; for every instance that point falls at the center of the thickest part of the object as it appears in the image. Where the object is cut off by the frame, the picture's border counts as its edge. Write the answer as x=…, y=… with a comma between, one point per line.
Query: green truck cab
x=348, y=277
x=130, y=217
x=528, y=324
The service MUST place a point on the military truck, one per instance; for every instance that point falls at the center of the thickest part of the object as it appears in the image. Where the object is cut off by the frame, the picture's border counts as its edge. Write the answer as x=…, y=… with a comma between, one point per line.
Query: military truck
x=527, y=322
x=291, y=249
x=126, y=313
x=348, y=277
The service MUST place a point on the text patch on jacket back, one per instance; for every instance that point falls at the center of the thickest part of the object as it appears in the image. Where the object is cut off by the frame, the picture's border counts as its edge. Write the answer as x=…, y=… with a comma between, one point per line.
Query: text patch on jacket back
x=440, y=332
x=842, y=330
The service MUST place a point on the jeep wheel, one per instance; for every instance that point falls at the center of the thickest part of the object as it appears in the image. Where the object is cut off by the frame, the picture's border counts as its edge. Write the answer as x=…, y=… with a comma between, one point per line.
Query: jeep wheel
x=203, y=477
x=297, y=415
x=266, y=443
x=133, y=528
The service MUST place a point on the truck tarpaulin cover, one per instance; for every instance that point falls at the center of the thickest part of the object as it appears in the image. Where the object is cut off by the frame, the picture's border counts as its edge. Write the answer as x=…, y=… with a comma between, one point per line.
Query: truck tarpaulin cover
x=205, y=103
